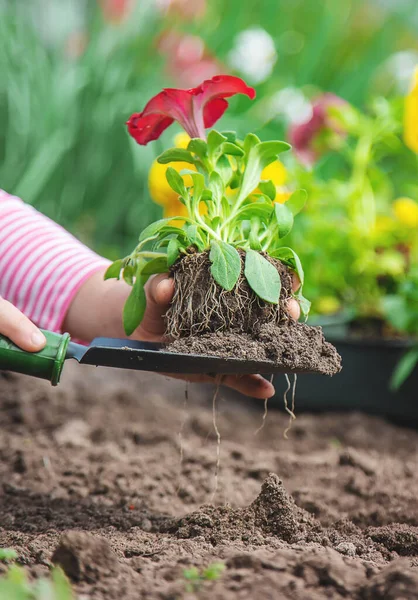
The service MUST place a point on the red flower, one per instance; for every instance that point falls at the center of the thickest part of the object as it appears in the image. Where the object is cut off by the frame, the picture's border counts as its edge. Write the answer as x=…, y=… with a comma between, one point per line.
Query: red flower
x=116, y=10
x=310, y=139
x=194, y=109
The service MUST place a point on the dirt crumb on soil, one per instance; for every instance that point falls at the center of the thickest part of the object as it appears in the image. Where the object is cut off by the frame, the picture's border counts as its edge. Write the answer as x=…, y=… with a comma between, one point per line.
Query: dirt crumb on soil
x=273, y=513
x=84, y=557
x=90, y=478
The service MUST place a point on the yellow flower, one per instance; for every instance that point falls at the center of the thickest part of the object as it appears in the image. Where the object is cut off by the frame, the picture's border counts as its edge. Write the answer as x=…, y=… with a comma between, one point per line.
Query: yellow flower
x=276, y=172
x=411, y=115
x=181, y=140
x=406, y=211
x=327, y=305
x=160, y=191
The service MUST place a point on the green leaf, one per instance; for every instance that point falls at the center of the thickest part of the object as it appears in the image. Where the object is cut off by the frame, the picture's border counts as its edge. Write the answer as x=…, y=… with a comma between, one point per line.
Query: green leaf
x=8, y=554
x=175, y=181
x=250, y=141
x=155, y=265
x=232, y=149
x=284, y=218
x=173, y=251
x=217, y=186
x=268, y=188
x=297, y=201
x=290, y=258
x=260, y=209
x=207, y=196
x=198, y=147
x=128, y=274
x=192, y=573
x=262, y=277
x=152, y=230
x=226, y=264
x=213, y=572
x=113, y=271
x=231, y=136
x=61, y=584
x=175, y=155
x=259, y=157
x=215, y=140
x=198, y=186
x=134, y=309
x=194, y=237
x=223, y=166
x=404, y=369
x=304, y=303
x=216, y=221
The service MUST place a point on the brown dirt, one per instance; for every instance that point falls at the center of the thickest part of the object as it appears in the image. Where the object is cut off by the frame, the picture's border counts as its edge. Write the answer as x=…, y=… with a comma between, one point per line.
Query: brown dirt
x=91, y=479
x=205, y=319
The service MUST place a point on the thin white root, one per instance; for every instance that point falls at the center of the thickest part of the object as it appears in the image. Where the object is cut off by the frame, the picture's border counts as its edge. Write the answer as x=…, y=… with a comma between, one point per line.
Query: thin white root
x=290, y=411
x=180, y=435
x=218, y=438
x=263, y=420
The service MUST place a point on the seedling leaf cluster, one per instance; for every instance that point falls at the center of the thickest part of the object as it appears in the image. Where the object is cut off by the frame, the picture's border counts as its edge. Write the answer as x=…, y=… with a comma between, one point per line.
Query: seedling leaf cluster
x=231, y=214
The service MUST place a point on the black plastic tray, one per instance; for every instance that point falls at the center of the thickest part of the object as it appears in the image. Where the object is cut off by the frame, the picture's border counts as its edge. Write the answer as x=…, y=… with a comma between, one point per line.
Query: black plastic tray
x=363, y=383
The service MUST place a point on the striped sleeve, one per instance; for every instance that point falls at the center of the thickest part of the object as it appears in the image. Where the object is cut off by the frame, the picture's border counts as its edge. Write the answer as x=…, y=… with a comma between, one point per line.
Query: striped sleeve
x=42, y=266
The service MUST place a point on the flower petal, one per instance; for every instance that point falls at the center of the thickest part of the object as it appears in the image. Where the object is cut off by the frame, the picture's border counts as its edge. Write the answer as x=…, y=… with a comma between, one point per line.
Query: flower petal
x=411, y=116
x=146, y=128
x=213, y=111
x=164, y=108
x=222, y=86
x=210, y=96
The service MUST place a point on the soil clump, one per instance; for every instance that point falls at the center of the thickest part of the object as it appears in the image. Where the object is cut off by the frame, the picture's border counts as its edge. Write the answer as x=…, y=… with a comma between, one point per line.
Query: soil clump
x=206, y=319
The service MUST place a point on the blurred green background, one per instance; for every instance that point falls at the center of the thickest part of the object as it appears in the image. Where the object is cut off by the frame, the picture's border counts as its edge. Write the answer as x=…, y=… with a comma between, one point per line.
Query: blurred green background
x=72, y=72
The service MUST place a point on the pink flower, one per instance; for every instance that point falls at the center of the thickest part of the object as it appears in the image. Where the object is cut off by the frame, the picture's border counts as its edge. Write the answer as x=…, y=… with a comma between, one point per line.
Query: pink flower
x=187, y=60
x=116, y=10
x=195, y=109
x=313, y=137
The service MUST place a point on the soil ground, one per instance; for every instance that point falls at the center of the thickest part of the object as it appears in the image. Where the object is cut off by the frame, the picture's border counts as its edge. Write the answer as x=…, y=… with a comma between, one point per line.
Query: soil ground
x=90, y=477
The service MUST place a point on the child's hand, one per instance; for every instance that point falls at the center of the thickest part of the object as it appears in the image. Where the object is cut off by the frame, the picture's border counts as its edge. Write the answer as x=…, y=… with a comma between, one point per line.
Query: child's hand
x=18, y=328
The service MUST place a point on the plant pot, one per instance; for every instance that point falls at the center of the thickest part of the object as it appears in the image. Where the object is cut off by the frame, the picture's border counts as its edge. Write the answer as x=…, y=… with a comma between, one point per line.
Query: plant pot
x=363, y=383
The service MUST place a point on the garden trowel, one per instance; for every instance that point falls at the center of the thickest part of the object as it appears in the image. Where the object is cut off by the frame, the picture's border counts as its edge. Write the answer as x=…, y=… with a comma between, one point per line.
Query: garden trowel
x=124, y=354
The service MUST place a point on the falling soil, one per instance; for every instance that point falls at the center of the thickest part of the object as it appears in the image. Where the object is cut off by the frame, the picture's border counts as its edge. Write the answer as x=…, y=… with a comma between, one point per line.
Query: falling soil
x=91, y=480
x=205, y=319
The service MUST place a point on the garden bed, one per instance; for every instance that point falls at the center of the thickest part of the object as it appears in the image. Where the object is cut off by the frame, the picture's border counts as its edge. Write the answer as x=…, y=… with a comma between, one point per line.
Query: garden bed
x=331, y=512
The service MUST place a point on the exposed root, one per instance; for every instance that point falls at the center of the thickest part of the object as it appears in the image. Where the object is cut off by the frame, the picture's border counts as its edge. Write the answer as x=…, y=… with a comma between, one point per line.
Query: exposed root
x=218, y=437
x=263, y=420
x=200, y=305
x=291, y=410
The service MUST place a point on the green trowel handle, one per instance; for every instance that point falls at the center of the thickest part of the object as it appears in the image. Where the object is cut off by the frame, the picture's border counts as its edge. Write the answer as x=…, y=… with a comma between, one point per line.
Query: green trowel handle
x=46, y=364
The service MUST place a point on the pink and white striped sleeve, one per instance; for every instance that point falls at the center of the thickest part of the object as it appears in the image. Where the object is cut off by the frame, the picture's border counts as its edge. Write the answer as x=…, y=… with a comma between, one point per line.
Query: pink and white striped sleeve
x=42, y=266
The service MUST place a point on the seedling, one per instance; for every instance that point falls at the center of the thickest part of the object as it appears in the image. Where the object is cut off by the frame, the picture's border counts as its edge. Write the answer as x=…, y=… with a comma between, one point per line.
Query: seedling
x=16, y=586
x=196, y=577
x=231, y=212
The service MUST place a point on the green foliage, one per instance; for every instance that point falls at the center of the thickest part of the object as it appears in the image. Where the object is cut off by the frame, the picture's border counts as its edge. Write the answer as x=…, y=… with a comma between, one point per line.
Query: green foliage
x=226, y=264
x=63, y=146
x=14, y=585
x=404, y=368
x=7, y=554
x=262, y=276
x=196, y=577
x=238, y=218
